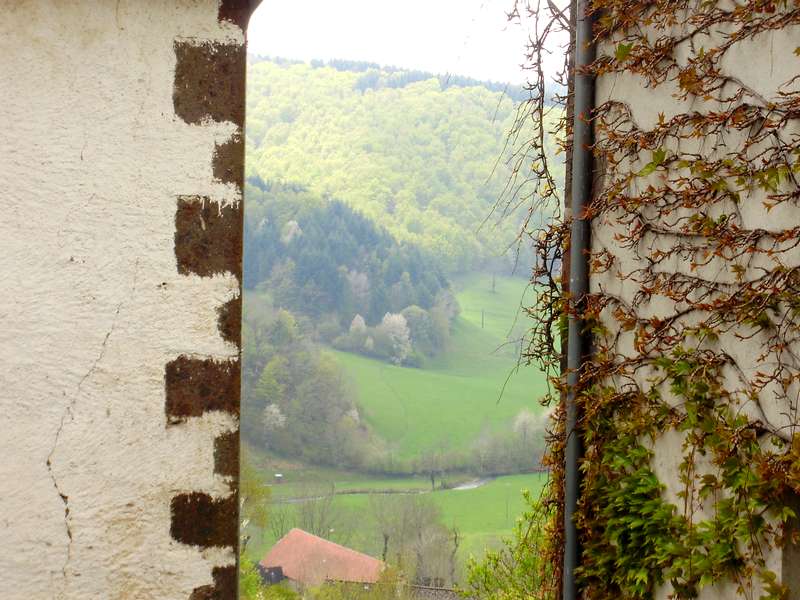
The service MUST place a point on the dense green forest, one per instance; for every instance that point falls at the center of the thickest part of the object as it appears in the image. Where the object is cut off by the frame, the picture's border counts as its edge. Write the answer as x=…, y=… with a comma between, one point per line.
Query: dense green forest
x=323, y=260
x=322, y=256
x=424, y=159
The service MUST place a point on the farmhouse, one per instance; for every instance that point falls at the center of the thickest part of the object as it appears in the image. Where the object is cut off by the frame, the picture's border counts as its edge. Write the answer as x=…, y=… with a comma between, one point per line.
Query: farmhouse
x=309, y=560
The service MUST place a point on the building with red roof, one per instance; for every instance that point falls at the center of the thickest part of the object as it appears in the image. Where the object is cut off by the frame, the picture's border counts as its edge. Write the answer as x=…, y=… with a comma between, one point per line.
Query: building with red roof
x=311, y=560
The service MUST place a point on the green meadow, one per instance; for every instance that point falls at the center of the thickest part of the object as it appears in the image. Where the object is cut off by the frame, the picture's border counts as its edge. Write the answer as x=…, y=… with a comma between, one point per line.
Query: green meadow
x=472, y=388
x=482, y=515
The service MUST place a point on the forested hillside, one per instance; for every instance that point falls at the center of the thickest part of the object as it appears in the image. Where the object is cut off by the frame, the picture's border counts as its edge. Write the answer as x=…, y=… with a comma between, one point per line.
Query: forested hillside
x=421, y=157
x=322, y=257
x=360, y=289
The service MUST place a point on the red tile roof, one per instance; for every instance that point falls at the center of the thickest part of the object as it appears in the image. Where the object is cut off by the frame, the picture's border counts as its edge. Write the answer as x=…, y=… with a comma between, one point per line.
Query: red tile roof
x=311, y=560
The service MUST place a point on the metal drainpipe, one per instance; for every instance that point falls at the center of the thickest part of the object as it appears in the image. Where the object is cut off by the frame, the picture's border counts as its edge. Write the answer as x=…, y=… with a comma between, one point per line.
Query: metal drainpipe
x=577, y=344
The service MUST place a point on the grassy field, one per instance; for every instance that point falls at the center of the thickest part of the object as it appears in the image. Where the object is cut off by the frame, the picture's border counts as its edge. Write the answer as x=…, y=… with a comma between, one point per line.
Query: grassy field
x=456, y=397
x=483, y=515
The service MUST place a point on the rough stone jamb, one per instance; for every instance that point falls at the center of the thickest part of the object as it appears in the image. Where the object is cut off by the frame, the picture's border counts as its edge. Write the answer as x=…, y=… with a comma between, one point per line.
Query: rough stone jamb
x=210, y=86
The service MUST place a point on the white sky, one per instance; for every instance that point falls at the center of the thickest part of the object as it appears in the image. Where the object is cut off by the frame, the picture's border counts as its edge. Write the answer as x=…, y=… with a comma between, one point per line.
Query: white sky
x=465, y=37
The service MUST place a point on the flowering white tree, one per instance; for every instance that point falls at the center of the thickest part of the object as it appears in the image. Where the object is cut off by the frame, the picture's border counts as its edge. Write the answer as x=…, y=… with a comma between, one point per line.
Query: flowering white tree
x=526, y=423
x=358, y=325
x=353, y=415
x=359, y=284
x=273, y=418
x=395, y=326
x=290, y=231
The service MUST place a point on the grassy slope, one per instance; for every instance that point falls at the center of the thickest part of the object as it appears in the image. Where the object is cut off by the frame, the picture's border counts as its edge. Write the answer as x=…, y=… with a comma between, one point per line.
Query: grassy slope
x=457, y=396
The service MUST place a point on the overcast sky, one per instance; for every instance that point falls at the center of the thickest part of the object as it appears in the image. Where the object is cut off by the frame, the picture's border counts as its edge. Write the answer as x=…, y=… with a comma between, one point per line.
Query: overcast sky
x=465, y=37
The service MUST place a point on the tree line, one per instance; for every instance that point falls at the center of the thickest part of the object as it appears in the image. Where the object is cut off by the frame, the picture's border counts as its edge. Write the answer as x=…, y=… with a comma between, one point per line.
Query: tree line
x=377, y=76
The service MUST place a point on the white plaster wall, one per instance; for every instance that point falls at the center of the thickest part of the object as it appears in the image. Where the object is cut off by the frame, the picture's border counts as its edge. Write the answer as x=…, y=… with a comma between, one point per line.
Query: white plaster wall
x=765, y=63
x=92, y=158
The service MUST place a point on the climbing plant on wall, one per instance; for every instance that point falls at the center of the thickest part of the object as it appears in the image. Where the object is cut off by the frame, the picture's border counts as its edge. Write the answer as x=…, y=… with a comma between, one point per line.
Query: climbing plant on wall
x=689, y=403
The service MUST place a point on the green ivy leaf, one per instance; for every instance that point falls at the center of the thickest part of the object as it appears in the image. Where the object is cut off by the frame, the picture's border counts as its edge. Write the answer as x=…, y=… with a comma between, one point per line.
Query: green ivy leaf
x=656, y=161
x=623, y=50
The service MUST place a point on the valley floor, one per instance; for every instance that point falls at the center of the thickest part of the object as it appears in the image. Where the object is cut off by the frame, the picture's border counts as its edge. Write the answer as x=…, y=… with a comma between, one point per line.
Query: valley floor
x=447, y=405
x=483, y=514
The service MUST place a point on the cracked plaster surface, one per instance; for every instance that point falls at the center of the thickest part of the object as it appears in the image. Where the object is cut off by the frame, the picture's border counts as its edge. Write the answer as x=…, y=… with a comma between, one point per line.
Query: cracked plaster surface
x=92, y=159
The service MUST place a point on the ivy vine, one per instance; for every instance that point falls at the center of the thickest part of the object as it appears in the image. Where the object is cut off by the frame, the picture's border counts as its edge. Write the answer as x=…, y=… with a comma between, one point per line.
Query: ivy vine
x=695, y=213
